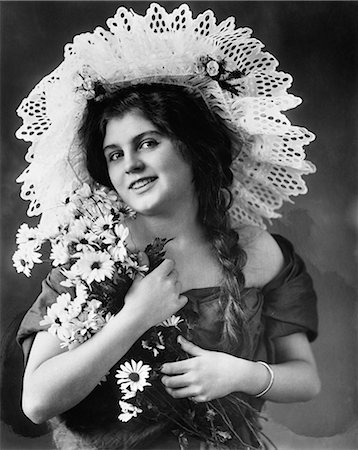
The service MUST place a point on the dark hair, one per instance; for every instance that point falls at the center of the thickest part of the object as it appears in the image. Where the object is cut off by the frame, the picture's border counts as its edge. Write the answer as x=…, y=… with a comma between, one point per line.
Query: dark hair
x=204, y=141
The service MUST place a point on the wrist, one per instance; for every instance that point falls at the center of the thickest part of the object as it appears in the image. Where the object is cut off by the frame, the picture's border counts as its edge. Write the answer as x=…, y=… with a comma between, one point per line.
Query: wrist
x=130, y=319
x=254, y=377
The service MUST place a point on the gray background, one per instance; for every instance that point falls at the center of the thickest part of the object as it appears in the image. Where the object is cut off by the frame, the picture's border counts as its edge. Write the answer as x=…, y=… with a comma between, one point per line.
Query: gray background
x=317, y=43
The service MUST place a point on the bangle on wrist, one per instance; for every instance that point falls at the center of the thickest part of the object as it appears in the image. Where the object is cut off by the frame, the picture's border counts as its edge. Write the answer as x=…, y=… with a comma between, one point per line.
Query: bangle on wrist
x=270, y=383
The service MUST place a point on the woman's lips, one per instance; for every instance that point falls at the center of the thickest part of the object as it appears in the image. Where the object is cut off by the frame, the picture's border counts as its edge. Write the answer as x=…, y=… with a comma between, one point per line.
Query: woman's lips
x=141, y=183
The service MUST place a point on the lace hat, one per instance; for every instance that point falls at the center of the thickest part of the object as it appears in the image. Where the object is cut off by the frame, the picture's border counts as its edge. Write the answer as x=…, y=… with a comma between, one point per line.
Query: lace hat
x=222, y=63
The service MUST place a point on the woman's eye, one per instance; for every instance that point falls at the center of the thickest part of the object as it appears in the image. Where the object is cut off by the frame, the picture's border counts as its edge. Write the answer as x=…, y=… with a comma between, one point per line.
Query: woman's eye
x=115, y=155
x=148, y=144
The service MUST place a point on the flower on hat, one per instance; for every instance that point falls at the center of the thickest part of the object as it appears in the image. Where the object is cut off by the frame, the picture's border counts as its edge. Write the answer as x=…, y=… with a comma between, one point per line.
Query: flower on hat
x=212, y=68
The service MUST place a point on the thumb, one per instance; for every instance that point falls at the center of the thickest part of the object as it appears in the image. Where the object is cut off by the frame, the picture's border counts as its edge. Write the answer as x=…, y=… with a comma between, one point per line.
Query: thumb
x=189, y=347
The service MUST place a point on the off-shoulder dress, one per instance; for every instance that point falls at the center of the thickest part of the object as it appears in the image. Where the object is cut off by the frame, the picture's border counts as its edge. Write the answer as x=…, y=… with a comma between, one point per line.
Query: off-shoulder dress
x=286, y=305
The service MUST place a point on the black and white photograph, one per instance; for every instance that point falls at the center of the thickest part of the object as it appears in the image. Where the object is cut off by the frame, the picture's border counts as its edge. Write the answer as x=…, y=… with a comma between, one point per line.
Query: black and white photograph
x=179, y=225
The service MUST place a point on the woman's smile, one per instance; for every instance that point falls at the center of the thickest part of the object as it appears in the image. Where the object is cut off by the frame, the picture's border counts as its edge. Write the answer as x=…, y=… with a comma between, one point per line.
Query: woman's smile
x=143, y=184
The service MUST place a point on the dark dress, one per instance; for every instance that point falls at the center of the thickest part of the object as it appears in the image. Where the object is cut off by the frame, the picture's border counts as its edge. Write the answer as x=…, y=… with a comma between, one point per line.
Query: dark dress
x=284, y=306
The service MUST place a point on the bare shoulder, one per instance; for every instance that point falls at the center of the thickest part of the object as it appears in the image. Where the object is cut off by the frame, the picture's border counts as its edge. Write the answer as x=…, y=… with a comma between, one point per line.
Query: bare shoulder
x=264, y=256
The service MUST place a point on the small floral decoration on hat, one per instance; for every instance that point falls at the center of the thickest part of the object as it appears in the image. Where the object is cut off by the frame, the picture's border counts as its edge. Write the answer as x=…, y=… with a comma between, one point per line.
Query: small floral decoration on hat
x=217, y=70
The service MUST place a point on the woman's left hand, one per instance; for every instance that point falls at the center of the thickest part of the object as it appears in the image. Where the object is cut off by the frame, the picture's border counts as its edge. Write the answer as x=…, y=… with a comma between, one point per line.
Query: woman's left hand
x=207, y=375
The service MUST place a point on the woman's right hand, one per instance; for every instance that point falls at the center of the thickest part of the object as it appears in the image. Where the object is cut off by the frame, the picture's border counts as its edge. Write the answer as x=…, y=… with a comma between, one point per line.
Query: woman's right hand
x=156, y=297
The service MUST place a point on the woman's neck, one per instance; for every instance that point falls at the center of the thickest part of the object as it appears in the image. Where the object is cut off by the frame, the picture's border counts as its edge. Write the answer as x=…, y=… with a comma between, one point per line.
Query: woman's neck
x=195, y=263
x=184, y=229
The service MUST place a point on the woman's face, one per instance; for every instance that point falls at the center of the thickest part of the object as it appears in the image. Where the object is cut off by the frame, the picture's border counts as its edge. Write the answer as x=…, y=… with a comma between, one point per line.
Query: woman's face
x=146, y=169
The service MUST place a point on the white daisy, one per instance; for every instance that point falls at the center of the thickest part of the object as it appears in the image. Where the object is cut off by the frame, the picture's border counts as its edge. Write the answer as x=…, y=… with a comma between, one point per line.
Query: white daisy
x=173, y=321
x=103, y=225
x=94, y=266
x=118, y=252
x=64, y=310
x=25, y=234
x=88, y=323
x=133, y=375
x=60, y=323
x=79, y=226
x=120, y=234
x=128, y=411
x=25, y=258
x=65, y=333
x=80, y=239
x=59, y=254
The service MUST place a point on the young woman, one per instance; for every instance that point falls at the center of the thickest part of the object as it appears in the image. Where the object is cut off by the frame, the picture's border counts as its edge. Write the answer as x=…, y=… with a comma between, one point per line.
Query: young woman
x=170, y=156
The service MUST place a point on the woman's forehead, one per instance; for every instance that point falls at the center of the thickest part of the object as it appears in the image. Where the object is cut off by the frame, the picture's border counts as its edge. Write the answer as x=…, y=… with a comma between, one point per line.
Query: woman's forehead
x=127, y=127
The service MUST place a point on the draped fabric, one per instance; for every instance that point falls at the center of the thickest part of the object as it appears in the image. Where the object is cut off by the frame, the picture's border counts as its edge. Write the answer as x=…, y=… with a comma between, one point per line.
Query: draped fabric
x=286, y=305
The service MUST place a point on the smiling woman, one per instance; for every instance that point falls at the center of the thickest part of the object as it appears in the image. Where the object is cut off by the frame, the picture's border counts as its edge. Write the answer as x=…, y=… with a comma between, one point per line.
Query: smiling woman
x=144, y=166
x=200, y=152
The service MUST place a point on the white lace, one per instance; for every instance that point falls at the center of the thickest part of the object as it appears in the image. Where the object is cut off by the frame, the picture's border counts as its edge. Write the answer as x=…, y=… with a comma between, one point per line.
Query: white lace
x=171, y=48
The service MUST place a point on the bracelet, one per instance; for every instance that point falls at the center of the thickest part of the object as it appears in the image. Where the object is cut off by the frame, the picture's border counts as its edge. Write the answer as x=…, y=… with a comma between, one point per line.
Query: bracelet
x=270, y=383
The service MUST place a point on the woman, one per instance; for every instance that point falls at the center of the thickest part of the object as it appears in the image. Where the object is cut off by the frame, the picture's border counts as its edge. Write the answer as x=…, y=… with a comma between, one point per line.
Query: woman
x=169, y=157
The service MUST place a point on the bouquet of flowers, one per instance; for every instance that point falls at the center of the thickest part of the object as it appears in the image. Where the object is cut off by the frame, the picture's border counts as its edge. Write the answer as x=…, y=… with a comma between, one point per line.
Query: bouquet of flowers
x=90, y=250
x=90, y=247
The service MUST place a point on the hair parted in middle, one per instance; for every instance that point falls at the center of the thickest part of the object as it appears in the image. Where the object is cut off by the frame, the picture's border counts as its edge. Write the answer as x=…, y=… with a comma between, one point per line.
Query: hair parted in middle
x=204, y=140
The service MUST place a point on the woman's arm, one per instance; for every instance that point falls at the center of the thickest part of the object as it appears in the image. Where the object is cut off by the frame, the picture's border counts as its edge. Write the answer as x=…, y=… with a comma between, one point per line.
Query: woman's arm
x=295, y=375
x=209, y=375
x=56, y=380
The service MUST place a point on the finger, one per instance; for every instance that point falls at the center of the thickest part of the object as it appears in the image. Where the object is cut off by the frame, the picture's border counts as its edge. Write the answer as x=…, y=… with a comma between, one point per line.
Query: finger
x=178, y=286
x=175, y=368
x=165, y=267
x=175, y=382
x=189, y=347
x=186, y=392
x=183, y=300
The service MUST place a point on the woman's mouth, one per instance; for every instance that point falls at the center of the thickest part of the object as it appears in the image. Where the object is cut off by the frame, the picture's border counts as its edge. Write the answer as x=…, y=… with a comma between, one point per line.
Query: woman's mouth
x=142, y=183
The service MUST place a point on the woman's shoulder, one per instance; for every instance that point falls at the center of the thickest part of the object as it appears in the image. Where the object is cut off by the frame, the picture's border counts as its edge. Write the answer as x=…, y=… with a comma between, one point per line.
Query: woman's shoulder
x=264, y=256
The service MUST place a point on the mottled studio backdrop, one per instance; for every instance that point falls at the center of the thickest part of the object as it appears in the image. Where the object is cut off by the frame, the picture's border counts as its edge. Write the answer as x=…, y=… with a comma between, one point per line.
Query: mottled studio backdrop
x=317, y=43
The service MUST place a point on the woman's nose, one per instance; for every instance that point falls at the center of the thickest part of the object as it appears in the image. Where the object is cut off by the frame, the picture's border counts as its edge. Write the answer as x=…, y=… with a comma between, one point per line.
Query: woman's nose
x=133, y=163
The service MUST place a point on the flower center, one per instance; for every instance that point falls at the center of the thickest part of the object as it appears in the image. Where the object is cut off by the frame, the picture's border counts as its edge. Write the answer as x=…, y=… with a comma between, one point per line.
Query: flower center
x=96, y=265
x=134, y=376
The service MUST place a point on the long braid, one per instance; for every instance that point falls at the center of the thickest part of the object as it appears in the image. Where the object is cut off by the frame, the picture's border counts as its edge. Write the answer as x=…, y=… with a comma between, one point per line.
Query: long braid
x=225, y=242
